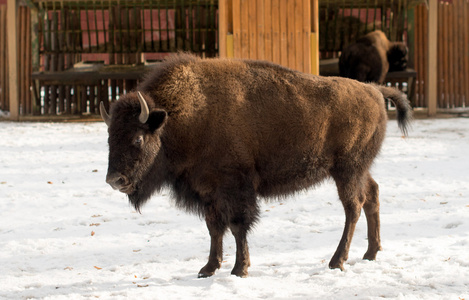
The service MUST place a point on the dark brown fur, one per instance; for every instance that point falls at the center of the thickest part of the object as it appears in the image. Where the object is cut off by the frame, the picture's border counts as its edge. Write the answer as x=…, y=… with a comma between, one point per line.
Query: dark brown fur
x=371, y=57
x=222, y=133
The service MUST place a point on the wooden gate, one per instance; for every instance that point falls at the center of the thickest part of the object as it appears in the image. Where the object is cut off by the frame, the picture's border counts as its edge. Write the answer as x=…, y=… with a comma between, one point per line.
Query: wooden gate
x=281, y=31
x=453, y=54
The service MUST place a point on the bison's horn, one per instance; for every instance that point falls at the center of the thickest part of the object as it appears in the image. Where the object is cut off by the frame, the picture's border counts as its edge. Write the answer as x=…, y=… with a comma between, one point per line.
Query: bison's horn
x=104, y=115
x=144, y=107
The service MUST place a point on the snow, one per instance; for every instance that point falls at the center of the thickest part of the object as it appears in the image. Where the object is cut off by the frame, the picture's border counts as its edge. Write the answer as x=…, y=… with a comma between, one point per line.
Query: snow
x=65, y=234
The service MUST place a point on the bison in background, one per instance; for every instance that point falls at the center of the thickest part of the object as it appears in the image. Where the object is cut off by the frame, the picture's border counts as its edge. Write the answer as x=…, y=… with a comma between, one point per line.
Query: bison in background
x=371, y=57
x=220, y=134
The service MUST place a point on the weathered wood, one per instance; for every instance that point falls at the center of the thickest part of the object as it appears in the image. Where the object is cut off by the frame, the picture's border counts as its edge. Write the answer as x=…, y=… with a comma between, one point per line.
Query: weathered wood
x=4, y=103
x=12, y=58
x=432, y=71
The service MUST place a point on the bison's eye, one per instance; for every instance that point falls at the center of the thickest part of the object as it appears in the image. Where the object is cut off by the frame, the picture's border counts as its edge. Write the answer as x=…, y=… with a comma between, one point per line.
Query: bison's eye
x=138, y=141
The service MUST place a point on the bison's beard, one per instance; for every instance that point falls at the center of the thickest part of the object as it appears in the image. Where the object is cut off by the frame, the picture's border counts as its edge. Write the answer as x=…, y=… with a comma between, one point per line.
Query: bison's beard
x=151, y=183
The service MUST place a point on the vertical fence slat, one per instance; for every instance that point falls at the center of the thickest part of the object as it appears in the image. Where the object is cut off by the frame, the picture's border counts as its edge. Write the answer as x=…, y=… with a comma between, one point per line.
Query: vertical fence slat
x=466, y=51
x=306, y=35
x=3, y=60
x=291, y=34
x=252, y=29
x=237, y=34
x=260, y=30
x=276, y=35
x=283, y=33
x=268, y=30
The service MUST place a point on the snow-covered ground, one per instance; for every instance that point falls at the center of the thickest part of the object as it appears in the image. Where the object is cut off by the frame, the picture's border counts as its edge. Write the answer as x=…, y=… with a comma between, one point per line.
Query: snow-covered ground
x=65, y=234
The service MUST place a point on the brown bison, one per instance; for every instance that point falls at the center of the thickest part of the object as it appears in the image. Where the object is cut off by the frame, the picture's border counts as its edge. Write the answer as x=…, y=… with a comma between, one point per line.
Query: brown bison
x=221, y=133
x=371, y=57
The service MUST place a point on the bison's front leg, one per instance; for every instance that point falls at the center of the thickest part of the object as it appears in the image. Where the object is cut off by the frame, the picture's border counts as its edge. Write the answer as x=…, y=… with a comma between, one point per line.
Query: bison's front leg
x=245, y=216
x=242, y=251
x=217, y=229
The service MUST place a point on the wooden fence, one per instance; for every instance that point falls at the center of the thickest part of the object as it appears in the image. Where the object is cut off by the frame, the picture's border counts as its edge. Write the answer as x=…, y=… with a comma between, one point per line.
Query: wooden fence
x=273, y=30
x=453, y=54
x=4, y=102
x=24, y=60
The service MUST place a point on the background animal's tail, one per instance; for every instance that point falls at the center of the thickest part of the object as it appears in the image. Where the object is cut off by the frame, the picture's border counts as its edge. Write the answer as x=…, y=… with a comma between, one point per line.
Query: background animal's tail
x=404, y=110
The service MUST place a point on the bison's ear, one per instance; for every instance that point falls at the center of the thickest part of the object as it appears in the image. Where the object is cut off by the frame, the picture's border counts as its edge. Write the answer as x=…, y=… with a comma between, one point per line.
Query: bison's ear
x=156, y=119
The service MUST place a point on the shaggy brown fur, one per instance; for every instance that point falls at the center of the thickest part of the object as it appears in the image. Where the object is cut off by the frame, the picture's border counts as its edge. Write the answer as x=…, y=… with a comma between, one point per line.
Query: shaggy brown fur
x=222, y=133
x=371, y=57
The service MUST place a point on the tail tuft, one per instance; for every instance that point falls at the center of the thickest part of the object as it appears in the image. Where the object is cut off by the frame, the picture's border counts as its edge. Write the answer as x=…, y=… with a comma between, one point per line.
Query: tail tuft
x=404, y=110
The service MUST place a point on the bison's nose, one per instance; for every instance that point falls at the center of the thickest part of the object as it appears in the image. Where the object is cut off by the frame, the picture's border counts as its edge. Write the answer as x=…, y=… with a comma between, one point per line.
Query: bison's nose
x=116, y=180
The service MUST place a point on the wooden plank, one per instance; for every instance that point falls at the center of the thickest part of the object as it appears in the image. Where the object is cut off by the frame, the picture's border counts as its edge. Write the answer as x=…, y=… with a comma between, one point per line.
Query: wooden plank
x=222, y=28
x=244, y=28
x=276, y=31
x=442, y=52
x=21, y=55
x=466, y=51
x=252, y=21
x=461, y=70
x=446, y=56
x=431, y=79
x=3, y=60
x=450, y=59
x=299, y=35
x=237, y=36
x=283, y=33
x=456, y=54
x=268, y=30
x=291, y=34
x=260, y=10
x=12, y=57
x=306, y=35
x=314, y=37
x=28, y=64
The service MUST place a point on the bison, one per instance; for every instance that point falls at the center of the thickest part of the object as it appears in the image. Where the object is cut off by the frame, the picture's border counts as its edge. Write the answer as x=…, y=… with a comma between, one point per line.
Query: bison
x=371, y=57
x=222, y=133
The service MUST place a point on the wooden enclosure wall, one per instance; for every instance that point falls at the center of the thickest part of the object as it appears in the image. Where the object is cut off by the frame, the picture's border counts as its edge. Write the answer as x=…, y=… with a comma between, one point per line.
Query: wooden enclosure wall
x=24, y=60
x=453, y=54
x=273, y=30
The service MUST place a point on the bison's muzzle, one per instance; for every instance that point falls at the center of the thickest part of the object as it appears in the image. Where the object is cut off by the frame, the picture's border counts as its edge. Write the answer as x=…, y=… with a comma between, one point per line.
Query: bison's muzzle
x=119, y=182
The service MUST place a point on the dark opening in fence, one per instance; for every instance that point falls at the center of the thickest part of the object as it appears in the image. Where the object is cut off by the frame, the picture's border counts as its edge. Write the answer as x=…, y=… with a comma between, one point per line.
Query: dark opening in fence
x=91, y=51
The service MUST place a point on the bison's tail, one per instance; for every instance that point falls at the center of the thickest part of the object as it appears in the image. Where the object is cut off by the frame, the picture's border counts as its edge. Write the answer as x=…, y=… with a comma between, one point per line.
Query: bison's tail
x=404, y=110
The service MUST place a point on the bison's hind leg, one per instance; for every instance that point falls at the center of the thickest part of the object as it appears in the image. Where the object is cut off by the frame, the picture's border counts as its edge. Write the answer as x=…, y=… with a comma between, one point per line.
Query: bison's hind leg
x=350, y=187
x=356, y=192
x=371, y=208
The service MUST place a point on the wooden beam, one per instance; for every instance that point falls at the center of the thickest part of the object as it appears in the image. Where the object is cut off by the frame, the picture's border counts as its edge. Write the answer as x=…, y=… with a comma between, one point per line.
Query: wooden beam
x=12, y=59
x=314, y=37
x=431, y=85
x=222, y=27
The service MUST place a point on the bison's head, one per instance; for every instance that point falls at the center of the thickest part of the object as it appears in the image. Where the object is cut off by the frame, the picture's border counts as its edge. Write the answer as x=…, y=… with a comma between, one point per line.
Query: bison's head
x=135, y=148
x=398, y=56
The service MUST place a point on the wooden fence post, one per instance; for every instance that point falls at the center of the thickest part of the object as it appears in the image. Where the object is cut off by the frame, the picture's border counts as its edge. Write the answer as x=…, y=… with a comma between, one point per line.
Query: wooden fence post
x=431, y=84
x=12, y=58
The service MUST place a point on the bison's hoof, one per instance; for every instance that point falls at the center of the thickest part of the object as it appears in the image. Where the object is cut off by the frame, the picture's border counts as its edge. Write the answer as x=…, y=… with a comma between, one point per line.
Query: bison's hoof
x=336, y=265
x=243, y=273
x=204, y=275
x=209, y=270
x=371, y=254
